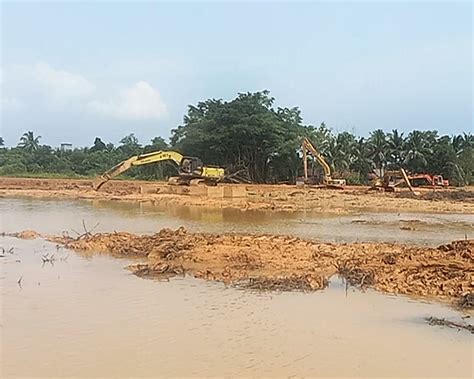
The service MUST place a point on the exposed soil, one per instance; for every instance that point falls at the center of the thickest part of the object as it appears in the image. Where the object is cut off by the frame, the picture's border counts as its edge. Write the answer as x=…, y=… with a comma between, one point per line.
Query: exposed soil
x=265, y=197
x=268, y=262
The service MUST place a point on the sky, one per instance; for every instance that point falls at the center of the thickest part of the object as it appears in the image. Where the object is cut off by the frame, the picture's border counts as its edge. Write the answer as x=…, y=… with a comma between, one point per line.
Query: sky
x=71, y=71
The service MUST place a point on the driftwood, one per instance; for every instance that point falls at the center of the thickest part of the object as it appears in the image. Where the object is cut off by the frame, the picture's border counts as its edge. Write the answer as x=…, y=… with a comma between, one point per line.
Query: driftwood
x=450, y=324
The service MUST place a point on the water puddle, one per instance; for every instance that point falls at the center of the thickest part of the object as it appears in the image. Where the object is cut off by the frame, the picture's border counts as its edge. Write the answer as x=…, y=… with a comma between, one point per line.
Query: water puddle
x=414, y=228
x=85, y=316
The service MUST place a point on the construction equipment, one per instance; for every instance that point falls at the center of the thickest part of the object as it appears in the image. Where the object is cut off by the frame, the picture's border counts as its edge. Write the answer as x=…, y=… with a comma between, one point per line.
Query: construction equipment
x=328, y=180
x=190, y=169
x=392, y=180
x=427, y=180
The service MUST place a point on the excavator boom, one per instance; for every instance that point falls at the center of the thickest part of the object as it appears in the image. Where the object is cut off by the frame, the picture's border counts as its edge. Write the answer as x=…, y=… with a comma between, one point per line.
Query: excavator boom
x=308, y=146
x=392, y=179
x=188, y=167
x=328, y=180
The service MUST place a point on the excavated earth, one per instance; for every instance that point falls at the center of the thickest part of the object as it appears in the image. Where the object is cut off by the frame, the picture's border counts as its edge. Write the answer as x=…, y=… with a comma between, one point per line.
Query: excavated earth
x=252, y=196
x=268, y=262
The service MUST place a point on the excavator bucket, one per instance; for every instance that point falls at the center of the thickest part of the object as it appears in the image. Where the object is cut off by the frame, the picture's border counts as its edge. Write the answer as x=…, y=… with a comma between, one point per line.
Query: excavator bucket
x=99, y=182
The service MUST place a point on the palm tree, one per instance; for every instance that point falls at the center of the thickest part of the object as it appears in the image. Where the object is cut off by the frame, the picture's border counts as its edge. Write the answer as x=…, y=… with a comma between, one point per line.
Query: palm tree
x=462, y=142
x=395, y=146
x=362, y=164
x=463, y=146
x=378, y=149
x=344, y=151
x=29, y=142
x=417, y=150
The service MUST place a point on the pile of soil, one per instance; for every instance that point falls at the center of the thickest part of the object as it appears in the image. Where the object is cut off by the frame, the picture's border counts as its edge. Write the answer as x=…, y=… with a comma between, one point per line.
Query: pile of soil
x=458, y=195
x=269, y=262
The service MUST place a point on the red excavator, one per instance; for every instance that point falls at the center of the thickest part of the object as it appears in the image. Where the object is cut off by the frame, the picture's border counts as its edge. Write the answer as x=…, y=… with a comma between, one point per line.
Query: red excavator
x=427, y=180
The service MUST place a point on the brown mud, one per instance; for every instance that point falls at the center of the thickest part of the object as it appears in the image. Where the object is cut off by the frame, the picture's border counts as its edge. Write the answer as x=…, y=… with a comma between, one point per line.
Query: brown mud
x=265, y=197
x=269, y=262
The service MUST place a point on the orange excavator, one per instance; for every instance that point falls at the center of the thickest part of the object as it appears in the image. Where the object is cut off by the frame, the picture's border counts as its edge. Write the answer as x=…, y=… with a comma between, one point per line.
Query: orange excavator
x=427, y=180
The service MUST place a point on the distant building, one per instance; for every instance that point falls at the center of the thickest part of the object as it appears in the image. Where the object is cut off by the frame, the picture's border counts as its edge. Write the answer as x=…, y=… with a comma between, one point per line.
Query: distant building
x=66, y=147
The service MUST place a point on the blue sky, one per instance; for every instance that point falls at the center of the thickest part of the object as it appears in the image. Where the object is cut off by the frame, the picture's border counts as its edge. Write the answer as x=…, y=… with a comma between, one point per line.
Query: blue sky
x=73, y=71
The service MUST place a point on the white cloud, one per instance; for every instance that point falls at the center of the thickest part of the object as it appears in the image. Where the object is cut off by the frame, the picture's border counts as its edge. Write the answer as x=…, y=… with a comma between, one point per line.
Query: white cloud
x=59, y=83
x=141, y=101
x=10, y=104
x=43, y=87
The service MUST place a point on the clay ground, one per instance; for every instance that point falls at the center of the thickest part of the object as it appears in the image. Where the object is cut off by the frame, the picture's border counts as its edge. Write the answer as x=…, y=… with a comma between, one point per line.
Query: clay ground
x=265, y=197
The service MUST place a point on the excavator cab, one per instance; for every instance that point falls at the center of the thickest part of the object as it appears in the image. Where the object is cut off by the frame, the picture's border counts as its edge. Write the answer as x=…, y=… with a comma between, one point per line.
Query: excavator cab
x=190, y=166
x=192, y=171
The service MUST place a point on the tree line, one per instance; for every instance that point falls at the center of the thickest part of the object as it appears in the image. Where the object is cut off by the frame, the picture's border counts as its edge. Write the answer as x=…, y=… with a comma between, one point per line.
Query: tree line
x=248, y=134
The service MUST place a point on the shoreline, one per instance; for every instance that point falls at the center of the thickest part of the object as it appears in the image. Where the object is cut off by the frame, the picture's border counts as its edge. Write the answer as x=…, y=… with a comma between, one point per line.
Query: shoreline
x=266, y=197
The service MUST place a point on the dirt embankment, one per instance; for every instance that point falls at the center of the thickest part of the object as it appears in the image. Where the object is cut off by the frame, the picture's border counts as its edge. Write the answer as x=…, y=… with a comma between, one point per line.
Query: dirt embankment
x=268, y=262
x=265, y=197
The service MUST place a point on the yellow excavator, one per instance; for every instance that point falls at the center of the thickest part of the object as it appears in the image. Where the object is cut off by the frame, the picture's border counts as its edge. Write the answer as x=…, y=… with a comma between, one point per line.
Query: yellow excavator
x=190, y=169
x=392, y=180
x=328, y=180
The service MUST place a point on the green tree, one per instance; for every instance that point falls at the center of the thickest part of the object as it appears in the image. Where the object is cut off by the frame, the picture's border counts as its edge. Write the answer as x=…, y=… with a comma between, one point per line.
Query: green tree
x=157, y=143
x=345, y=151
x=378, y=148
x=396, y=144
x=160, y=170
x=129, y=146
x=244, y=133
x=417, y=150
x=99, y=145
x=362, y=164
x=444, y=160
x=129, y=140
x=2, y=141
x=463, y=146
x=29, y=142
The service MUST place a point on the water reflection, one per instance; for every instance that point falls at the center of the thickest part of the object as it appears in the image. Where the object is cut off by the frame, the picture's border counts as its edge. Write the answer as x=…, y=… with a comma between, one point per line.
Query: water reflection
x=56, y=216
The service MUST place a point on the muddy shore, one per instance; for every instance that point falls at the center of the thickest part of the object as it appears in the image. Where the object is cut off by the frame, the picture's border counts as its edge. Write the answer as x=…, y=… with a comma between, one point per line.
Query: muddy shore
x=264, y=197
x=267, y=262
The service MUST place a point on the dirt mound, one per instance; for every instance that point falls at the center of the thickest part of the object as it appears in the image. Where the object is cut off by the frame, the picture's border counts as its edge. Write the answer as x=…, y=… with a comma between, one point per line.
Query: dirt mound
x=458, y=195
x=163, y=245
x=26, y=235
x=269, y=262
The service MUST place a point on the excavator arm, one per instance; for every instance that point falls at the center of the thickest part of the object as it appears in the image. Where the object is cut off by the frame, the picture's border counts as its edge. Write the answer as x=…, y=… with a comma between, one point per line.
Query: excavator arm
x=328, y=180
x=308, y=146
x=137, y=160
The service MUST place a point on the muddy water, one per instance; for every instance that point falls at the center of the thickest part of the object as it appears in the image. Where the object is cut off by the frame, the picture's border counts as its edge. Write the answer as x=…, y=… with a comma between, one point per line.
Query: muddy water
x=56, y=216
x=84, y=316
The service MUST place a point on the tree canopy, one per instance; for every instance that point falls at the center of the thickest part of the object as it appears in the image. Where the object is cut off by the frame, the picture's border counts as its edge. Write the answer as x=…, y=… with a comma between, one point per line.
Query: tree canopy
x=250, y=134
x=245, y=132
